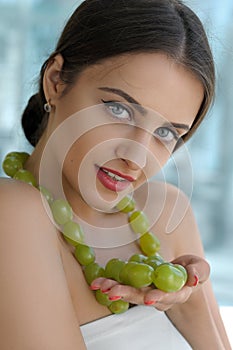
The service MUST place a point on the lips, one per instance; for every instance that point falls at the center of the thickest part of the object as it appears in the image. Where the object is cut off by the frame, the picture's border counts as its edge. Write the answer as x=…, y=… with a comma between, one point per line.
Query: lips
x=113, y=180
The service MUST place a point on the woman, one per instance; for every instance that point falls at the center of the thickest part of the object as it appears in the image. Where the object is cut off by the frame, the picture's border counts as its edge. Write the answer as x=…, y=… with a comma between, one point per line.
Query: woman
x=129, y=81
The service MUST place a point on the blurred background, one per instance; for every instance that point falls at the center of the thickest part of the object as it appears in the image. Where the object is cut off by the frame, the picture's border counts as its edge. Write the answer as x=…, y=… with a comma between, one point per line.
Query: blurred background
x=29, y=30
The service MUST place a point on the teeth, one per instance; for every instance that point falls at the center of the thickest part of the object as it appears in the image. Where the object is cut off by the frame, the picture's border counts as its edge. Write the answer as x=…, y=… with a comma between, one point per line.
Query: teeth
x=113, y=176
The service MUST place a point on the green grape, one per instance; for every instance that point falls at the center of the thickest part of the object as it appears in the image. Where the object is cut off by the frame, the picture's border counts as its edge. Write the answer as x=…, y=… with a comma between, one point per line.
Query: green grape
x=25, y=176
x=156, y=256
x=139, y=222
x=11, y=165
x=183, y=270
x=62, y=211
x=102, y=298
x=126, y=205
x=84, y=254
x=154, y=262
x=140, y=258
x=22, y=156
x=119, y=306
x=149, y=243
x=168, y=278
x=48, y=195
x=93, y=271
x=123, y=274
x=73, y=233
x=140, y=275
x=113, y=268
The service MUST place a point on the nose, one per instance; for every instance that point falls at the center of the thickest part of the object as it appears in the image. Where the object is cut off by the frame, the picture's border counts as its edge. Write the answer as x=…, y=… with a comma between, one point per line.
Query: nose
x=134, y=148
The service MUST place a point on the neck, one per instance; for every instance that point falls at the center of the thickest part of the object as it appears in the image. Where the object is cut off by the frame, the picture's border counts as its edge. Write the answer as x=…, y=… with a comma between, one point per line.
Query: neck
x=33, y=162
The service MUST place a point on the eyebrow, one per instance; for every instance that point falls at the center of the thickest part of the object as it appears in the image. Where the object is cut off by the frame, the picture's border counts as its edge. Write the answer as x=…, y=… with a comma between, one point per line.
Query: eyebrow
x=127, y=97
x=181, y=126
x=138, y=106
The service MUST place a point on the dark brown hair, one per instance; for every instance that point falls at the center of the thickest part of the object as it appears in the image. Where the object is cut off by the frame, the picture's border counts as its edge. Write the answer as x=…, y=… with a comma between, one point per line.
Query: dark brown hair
x=100, y=29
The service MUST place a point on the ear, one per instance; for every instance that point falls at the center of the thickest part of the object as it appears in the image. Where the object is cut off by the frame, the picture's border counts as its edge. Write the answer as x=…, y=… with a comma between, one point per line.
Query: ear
x=52, y=83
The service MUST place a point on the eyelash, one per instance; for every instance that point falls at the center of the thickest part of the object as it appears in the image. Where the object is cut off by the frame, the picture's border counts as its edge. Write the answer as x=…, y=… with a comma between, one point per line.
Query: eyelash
x=174, y=133
x=109, y=104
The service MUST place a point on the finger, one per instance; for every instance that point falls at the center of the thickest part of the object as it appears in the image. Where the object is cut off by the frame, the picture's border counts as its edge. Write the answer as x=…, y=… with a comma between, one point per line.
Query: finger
x=157, y=297
x=163, y=307
x=193, y=277
x=197, y=273
x=197, y=268
x=104, y=284
x=127, y=293
x=154, y=296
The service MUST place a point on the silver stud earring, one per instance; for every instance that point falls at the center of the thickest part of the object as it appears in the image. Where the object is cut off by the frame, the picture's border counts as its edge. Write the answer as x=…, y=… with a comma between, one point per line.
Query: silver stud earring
x=47, y=107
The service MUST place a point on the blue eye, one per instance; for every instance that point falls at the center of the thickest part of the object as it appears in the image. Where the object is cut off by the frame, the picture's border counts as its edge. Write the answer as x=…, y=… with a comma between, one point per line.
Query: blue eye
x=118, y=110
x=166, y=134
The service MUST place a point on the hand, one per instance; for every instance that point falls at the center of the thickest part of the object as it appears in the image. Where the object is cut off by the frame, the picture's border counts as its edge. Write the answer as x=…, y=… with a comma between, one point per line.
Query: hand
x=198, y=272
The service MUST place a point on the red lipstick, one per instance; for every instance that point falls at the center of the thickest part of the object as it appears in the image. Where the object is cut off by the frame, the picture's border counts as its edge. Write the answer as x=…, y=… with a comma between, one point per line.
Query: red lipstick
x=113, y=180
x=126, y=177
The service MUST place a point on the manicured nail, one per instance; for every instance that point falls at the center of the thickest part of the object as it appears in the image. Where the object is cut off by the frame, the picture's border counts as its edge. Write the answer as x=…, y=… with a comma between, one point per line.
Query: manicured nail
x=114, y=298
x=196, y=280
x=106, y=290
x=150, y=302
x=94, y=287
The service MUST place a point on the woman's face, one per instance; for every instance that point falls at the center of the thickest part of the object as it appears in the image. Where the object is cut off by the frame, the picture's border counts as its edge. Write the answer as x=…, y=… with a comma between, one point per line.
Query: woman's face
x=127, y=114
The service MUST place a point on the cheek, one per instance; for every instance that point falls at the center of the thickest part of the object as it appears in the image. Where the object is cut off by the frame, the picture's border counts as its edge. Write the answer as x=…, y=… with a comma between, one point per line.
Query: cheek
x=68, y=105
x=76, y=159
x=158, y=156
x=89, y=150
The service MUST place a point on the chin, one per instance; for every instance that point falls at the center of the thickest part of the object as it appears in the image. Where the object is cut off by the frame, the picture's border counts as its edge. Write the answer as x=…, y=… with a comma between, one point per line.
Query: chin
x=101, y=205
x=104, y=202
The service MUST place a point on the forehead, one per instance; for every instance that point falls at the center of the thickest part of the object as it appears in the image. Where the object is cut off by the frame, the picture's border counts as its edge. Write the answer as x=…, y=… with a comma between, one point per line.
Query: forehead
x=154, y=80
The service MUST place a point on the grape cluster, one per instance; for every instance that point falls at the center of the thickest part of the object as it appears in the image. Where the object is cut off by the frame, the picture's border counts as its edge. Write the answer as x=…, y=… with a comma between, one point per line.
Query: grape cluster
x=141, y=270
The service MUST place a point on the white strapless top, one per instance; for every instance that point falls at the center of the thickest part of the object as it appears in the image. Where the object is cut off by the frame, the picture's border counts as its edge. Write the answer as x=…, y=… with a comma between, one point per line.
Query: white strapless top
x=140, y=328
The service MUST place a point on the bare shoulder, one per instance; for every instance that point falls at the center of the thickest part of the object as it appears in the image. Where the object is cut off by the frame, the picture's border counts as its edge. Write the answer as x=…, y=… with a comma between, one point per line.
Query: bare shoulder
x=22, y=206
x=35, y=302
x=13, y=189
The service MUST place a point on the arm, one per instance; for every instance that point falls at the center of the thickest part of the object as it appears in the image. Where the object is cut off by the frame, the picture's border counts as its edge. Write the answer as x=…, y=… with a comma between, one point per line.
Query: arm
x=198, y=319
x=36, y=307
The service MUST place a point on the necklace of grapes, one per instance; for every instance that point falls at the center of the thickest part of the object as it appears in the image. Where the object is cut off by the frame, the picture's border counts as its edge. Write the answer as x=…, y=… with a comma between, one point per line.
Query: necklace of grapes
x=140, y=270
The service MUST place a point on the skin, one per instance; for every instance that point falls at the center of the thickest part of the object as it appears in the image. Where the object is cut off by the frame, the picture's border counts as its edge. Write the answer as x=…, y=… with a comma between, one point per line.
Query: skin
x=171, y=94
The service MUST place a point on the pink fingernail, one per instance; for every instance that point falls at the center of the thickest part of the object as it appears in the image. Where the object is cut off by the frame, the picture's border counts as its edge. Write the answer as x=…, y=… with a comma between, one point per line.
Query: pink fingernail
x=94, y=287
x=106, y=290
x=150, y=302
x=114, y=298
x=196, y=280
